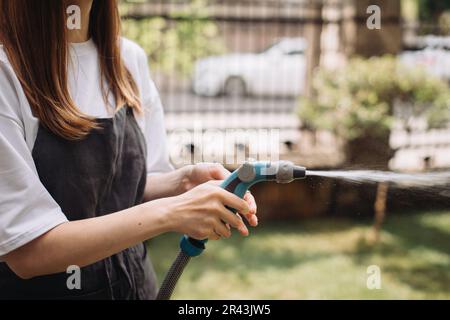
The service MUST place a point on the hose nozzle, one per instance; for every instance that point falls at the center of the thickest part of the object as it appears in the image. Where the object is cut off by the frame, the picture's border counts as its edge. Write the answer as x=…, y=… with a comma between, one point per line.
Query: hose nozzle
x=299, y=172
x=286, y=172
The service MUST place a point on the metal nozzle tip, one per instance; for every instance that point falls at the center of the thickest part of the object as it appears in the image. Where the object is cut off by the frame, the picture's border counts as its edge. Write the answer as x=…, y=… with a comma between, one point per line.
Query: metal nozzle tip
x=299, y=172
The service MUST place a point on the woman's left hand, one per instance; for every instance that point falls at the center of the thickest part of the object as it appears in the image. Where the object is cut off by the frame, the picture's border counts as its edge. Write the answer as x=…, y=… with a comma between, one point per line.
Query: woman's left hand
x=204, y=172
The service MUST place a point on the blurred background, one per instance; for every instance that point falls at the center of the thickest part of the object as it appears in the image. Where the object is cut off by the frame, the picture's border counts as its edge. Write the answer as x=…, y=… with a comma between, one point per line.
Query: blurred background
x=328, y=84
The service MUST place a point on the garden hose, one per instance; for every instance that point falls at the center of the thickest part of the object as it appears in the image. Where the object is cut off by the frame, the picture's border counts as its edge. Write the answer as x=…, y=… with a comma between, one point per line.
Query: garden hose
x=238, y=183
x=173, y=275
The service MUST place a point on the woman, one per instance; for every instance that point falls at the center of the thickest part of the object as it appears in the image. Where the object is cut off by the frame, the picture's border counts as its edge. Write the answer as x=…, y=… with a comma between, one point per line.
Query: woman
x=84, y=172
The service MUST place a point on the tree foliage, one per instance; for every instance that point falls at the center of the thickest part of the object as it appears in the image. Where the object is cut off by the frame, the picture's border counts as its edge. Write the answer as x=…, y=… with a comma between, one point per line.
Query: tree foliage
x=173, y=45
x=430, y=10
x=358, y=101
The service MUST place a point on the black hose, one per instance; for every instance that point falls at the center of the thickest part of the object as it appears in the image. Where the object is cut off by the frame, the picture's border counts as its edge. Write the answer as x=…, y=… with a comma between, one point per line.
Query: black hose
x=172, y=277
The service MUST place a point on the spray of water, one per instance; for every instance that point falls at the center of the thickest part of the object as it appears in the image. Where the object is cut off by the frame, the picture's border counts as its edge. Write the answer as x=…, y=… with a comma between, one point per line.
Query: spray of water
x=420, y=180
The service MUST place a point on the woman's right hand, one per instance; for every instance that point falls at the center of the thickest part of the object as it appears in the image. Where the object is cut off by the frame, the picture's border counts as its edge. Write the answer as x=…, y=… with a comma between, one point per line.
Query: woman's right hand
x=201, y=213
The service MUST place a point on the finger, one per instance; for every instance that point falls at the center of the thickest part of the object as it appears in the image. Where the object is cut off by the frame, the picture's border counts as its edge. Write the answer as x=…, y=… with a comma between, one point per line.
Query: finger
x=214, y=236
x=251, y=202
x=221, y=229
x=234, y=220
x=230, y=218
x=233, y=201
x=252, y=219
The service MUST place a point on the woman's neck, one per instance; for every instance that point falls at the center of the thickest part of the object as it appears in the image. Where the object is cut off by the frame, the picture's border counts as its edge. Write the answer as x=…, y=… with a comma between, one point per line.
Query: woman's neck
x=81, y=34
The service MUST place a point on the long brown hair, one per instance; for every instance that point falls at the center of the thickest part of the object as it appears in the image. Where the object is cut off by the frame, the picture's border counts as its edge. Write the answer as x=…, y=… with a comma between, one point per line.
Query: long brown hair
x=34, y=37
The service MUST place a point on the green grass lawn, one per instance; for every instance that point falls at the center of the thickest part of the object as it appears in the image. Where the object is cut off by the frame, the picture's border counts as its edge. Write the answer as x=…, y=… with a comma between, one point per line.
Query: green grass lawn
x=319, y=259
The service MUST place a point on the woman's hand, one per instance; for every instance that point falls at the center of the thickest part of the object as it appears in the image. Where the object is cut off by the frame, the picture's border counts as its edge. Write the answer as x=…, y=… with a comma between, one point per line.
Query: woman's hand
x=202, y=212
x=195, y=175
x=198, y=174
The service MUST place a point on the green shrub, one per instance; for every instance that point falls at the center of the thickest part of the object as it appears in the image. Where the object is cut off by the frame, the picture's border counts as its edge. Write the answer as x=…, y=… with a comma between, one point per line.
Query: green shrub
x=358, y=101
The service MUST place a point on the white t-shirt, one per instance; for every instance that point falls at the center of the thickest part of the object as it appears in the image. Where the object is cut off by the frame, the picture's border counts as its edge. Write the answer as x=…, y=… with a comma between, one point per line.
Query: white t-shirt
x=27, y=210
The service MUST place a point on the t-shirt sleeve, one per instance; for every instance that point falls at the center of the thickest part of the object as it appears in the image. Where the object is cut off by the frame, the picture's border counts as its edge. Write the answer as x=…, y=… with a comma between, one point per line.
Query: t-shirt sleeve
x=154, y=128
x=27, y=210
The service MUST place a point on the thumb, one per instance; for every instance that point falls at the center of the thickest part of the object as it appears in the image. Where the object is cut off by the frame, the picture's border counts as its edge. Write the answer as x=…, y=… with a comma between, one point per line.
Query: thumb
x=218, y=172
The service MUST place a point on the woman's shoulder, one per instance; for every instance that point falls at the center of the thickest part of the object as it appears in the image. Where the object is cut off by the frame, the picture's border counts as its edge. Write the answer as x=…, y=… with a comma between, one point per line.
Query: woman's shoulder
x=11, y=93
x=7, y=74
x=3, y=56
x=135, y=59
x=8, y=78
x=131, y=50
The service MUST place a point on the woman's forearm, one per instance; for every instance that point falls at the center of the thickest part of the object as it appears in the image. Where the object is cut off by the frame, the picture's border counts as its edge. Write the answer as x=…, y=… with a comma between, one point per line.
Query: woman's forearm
x=87, y=241
x=166, y=185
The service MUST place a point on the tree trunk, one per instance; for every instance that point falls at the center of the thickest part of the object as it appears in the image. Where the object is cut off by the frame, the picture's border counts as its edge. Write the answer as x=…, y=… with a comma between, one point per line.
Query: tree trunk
x=380, y=209
x=373, y=153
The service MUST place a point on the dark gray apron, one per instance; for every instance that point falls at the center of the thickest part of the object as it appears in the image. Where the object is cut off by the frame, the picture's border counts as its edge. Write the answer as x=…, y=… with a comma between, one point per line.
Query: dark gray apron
x=99, y=175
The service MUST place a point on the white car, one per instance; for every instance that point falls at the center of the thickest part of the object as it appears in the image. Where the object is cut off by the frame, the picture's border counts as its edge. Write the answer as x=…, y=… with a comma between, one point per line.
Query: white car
x=278, y=71
x=434, y=56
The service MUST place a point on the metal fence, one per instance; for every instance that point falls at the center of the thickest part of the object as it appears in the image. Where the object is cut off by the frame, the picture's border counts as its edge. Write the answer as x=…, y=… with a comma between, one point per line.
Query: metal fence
x=215, y=108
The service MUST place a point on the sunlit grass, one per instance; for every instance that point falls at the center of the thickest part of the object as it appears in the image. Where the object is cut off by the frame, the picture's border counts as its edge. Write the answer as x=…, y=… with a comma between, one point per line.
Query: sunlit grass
x=319, y=259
